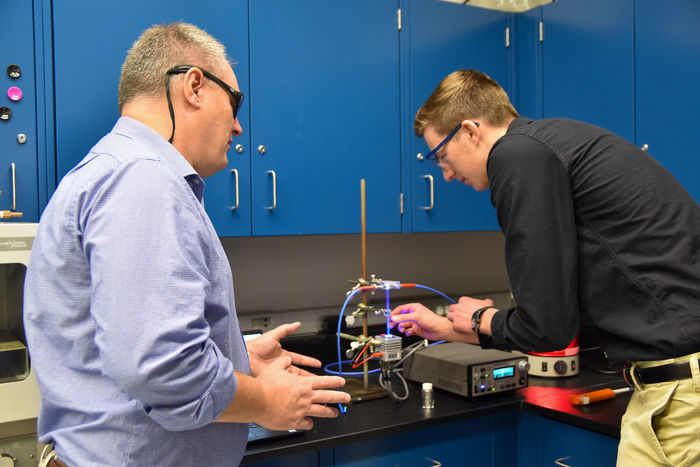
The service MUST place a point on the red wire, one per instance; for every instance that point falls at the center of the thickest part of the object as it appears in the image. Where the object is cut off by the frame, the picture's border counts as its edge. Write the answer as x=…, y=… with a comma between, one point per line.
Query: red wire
x=362, y=351
x=376, y=354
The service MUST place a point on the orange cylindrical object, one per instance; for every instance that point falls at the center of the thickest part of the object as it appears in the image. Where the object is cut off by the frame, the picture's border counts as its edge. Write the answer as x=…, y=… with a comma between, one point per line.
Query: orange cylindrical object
x=594, y=396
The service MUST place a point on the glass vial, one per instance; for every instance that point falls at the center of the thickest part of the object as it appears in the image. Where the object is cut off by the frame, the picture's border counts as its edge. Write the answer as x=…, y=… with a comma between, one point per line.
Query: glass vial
x=427, y=396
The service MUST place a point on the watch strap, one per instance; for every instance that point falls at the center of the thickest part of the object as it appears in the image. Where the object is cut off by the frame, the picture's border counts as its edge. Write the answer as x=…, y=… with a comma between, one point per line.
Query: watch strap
x=476, y=318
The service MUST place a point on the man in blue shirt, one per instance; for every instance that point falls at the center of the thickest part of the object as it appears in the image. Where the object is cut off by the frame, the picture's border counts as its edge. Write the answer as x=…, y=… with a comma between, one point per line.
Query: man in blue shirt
x=129, y=305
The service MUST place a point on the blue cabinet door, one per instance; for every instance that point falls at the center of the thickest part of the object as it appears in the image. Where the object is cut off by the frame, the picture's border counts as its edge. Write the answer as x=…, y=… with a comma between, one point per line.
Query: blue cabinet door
x=588, y=63
x=18, y=154
x=307, y=459
x=487, y=441
x=668, y=87
x=90, y=41
x=324, y=115
x=542, y=441
x=526, y=71
x=438, y=38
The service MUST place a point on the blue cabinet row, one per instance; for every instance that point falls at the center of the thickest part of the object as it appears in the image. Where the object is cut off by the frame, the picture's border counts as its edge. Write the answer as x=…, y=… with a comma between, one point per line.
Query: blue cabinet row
x=505, y=439
x=484, y=441
x=629, y=66
x=332, y=88
x=325, y=106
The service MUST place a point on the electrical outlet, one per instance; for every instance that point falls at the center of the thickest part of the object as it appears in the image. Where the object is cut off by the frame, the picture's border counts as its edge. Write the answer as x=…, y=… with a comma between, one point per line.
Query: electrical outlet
x=261, y=323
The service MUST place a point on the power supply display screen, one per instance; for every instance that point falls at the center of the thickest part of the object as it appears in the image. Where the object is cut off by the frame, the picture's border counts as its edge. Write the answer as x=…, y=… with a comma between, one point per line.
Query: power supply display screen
x=504, y=372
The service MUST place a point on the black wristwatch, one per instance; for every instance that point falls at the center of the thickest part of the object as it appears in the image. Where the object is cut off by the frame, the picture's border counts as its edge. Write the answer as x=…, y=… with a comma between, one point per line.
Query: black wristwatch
x=476, y=318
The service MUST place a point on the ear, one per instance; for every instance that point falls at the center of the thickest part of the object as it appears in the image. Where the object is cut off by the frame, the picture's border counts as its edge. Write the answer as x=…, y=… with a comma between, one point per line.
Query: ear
x=473, y=131
x=192, y=85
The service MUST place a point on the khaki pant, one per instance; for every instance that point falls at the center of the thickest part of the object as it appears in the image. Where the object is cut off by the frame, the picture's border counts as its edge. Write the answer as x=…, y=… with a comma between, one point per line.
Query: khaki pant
x=661, y=426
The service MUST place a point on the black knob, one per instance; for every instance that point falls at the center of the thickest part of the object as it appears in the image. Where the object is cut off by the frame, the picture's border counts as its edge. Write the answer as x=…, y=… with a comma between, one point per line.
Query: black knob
x=5, y=114
x=14, y=71
x=560, y=367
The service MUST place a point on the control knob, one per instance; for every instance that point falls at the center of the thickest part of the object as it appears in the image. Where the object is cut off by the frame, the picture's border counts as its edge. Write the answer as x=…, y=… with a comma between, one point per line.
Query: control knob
x=560, y=367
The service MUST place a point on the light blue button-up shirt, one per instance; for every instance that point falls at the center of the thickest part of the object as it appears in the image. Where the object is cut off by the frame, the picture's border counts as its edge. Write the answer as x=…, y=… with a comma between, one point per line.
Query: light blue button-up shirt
x=129, y=312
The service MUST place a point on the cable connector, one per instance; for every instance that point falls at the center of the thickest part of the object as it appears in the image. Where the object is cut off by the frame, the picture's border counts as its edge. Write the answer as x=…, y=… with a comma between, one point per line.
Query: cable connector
x=388, y=285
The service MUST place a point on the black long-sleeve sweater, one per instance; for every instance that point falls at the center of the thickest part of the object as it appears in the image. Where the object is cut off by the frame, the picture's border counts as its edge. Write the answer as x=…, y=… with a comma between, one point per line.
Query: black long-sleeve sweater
x=595, y=230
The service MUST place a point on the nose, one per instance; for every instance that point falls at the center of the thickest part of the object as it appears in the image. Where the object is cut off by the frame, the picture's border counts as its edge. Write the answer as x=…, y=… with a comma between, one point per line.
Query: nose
x=448, y=174
x=237, y=128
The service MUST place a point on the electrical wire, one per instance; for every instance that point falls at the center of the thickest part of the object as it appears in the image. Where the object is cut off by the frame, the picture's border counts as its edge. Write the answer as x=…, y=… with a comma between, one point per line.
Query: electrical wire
x=328, y=370
x=386, y=384
x=394, y=370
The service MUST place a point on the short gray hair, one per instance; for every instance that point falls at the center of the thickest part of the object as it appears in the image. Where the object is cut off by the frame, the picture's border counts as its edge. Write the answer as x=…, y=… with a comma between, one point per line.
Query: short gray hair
x=160, y=48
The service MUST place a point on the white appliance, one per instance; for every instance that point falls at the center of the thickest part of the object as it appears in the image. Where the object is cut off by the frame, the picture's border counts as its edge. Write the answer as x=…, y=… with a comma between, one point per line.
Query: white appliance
x=19, y=393
x=555, y=364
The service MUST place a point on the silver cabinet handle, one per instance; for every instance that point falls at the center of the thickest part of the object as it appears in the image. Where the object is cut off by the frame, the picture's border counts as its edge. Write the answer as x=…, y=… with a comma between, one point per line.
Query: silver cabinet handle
x=239, y=148
x=262, y=149
x=645, y=147
x=560, y=462
x=274, y=190
x=432, y=193
x=14, y=188
x=235, y=173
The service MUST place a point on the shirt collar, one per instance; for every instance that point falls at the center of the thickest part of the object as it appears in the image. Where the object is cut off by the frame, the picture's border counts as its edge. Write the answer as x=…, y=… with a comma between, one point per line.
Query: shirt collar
x=158, y=146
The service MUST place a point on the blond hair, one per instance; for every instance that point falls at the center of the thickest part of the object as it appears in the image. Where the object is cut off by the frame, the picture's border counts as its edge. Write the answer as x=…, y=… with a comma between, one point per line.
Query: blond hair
x=160, y=48
x=464, y=95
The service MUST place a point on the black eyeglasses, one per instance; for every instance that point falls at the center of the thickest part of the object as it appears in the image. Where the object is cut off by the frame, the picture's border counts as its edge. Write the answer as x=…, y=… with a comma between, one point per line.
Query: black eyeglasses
x=236, y=97
x=432, y=155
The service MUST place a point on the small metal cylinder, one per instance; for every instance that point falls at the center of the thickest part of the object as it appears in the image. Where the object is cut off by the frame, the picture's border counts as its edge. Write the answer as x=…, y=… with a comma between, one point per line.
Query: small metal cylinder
x=427, y=396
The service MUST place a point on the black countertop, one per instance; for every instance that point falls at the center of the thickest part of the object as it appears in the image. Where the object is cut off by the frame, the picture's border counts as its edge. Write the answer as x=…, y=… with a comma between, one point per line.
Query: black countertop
x=550, y=398
x=382, y=417
x=547, y=397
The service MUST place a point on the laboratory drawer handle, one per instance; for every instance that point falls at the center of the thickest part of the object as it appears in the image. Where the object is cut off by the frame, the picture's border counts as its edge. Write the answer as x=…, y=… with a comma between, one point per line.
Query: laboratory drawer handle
x=274, y=190
x=645, y=147
x=235, y=173
x=560, y=462
x=14, y=187
x=432, y=193
x=239, y=148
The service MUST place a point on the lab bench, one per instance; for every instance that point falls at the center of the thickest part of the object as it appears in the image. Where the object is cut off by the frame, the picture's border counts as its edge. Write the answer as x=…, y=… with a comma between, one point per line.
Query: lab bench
x=530, y=427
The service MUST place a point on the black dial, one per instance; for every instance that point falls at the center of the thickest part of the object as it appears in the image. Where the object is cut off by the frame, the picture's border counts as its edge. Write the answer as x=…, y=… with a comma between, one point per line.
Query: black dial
x=560, y=367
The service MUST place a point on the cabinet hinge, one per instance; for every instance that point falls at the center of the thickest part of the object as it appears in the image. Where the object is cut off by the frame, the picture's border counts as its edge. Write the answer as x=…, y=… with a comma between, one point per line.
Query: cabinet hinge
x=401, y=203
x=398, y=18
x=507, y=37
x=541, y=31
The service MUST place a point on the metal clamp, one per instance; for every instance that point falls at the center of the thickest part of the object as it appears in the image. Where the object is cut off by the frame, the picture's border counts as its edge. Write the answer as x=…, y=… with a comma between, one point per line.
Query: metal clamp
x=274, y=190
x=432, y=193
x=235, y=173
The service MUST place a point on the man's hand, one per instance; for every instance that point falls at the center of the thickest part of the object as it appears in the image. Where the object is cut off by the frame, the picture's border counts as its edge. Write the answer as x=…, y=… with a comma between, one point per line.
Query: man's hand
x=291, y=399
x=415, y=319
x=264, y=350
x=461, y=313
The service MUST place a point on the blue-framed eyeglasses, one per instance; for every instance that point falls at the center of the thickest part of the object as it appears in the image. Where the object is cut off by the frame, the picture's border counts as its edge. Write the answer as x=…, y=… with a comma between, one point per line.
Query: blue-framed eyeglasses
x=432, y=155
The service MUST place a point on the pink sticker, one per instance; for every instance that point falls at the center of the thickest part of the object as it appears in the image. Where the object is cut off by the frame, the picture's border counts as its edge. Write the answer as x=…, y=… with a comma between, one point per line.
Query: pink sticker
x=14, y=93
